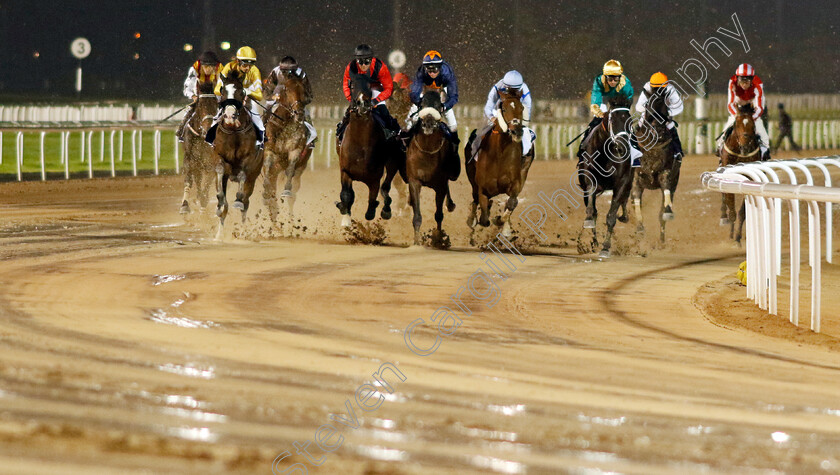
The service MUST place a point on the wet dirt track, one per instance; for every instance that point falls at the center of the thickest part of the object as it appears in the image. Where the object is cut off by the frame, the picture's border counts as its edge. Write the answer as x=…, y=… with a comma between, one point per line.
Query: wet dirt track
x=130, y=342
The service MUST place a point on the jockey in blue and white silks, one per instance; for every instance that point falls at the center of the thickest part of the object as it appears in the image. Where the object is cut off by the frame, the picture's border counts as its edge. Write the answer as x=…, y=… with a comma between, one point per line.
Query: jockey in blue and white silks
x=513, y=83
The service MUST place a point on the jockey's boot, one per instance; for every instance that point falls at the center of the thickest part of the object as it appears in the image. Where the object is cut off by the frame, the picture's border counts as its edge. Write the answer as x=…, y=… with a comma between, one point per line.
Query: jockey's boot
x=390, y=126
x=260, y=137
x=765, y=155
x=183, y=124
x=676, y=145
x=635, y=153
x=339, y=128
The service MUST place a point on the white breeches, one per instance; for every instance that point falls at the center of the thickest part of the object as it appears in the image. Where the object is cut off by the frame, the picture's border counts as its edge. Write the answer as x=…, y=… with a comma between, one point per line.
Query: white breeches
x=448, y=115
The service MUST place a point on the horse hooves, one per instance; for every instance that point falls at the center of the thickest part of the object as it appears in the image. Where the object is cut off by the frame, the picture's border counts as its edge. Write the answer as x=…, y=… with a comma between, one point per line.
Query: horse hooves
x=604, y=254
x=370, y=215
x=385, y=214
x=724, y=221
x=623, y=218
x=239, y=205
x=589, y=224
x=450, y=206
x=345, y=221
x=286, y=194
x=219, y=211
x=640, y=229
x=185, y=208
x=667, y=216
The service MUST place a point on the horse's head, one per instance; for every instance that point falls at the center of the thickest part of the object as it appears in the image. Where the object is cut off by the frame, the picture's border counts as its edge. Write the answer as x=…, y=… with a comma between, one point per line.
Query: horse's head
x=361, y=93
x=206, y=106
x=233, y=97
x=290, y=94
x=656, y=108
x=744, y=130
x=509, y=114
x=617, y=122
x=430, y=112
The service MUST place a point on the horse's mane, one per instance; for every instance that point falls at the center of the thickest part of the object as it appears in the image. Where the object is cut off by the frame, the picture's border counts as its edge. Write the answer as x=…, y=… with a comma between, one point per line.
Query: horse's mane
x=619, y=101
x=361, y=84
x=747, y=109
x=206, y=87
x=431, y=99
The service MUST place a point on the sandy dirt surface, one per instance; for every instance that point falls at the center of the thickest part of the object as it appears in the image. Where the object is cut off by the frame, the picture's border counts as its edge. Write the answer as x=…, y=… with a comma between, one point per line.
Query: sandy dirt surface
x=132, y=342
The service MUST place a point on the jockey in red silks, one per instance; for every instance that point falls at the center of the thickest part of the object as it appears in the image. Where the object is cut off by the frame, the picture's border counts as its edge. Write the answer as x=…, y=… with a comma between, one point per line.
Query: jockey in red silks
x=376, y=73
x=745, y=87
x=402, y=81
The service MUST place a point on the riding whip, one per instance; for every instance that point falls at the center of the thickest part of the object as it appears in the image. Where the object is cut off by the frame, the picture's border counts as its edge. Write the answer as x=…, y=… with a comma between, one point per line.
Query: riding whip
x=266, y=109
x=577, y=137
x=177, y=111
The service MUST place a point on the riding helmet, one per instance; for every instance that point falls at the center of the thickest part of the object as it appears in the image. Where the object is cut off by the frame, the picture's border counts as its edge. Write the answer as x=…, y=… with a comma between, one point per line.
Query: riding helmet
x=246, y=53
x=613, y=68
x=432, y=57
x=658, y=80
x=209, y=58
x=288, y=63
x=513, y=79
x=745, y=70
x=364, y=51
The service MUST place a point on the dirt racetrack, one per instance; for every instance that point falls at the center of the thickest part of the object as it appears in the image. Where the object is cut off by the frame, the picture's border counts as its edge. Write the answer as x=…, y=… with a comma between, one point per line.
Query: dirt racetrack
x=131, y=342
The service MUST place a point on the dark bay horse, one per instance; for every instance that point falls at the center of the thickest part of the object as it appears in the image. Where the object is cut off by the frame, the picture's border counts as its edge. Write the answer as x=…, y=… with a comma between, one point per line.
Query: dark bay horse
x=285, y=144
x=426, y=162
x=659, y=170
x=197, y=152
x=607, y=162
x=498, y=166
x=235, y=150
x=399, y=104
x=363, y=155
x=739, y=147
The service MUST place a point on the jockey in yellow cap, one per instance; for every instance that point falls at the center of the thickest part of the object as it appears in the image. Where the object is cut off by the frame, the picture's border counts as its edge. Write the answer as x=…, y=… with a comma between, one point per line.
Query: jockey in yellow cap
x=245, y=67
x=658, y=85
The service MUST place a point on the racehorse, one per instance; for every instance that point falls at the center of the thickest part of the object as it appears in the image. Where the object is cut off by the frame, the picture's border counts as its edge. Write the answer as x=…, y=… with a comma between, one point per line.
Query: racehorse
x=285, y=144
x=426, y=162
x=739, y=147
x=606, y=166
x=399, y=103
x=363, y=155
x=197, y=152
x=498, y=166
x=659, y=170
x=235, y=151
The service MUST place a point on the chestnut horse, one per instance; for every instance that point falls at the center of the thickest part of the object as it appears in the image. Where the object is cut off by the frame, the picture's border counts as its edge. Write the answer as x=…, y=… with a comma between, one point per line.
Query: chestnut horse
x=739, y=147
x=363, y=155
x=197, y=152
x=498, y=166
x=606, y=166
x=235, y=151
x=426, y=162
x=659, y=170
x=285, y=144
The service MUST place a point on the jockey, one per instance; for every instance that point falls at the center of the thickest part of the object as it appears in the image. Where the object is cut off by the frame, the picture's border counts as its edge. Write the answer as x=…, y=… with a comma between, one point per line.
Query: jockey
x=376, y=72
x=288, y=67
x=610, y=84
x=511, y=83
x=657, y=85
x=244, y=66
x=205, y=69
x=745, y=87
x=435, y=73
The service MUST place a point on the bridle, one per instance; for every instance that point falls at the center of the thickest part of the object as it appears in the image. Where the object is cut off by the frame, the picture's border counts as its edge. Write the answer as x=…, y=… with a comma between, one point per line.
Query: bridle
x=608, y=123
x=742, y=155
x=208, y=116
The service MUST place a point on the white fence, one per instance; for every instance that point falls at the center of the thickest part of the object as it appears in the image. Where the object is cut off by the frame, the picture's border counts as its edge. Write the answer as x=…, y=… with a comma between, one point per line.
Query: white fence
x=85, y=112
x=760, y=182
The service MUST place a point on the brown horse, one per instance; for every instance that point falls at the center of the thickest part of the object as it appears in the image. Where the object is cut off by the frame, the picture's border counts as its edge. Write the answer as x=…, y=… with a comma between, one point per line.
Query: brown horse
x=363, y=155
x=235, y=151
x=659, y=170
x=498, y=166
x=740, y=146
x=606, y=166
x=285, y=144
x=426, y=162
x=400, y=103
x=197, y=152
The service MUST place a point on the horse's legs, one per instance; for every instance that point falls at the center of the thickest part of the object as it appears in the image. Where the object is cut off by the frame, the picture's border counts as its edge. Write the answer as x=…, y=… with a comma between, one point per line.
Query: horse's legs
x=188, y=181
x=291, y=172
x=620, y=196
x=729, y=202
x=373, y=191
x=222, y=207
x=391, y=170
x=512, y=201
x=724, y=218
x=742, y=216
x=636, y=194
x=591, y=213
x=440, y=196
x=347, y=197
x=271, y=170
x=247, y=190
x=291, y=198
x=239, y=203
x=484, y=204
x=205, y=175
x=414, y=198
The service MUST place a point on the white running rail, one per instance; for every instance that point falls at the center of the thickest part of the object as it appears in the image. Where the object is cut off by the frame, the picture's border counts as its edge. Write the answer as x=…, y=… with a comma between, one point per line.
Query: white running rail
x=760, y=183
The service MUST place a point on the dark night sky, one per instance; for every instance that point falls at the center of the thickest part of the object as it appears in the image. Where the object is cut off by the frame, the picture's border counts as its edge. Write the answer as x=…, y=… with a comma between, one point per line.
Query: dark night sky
x=559, y=46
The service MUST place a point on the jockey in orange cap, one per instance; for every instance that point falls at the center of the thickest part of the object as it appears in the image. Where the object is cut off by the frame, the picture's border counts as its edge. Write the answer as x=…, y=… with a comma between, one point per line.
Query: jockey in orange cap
x=657, y=85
